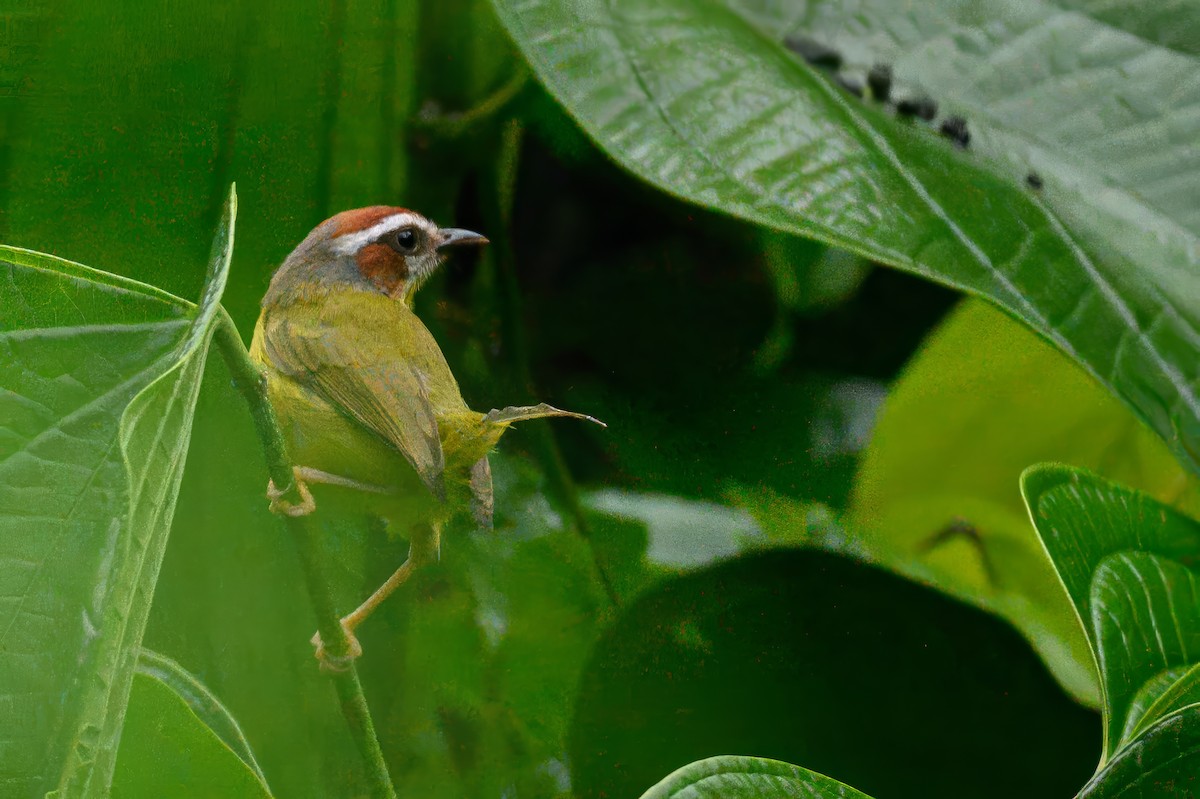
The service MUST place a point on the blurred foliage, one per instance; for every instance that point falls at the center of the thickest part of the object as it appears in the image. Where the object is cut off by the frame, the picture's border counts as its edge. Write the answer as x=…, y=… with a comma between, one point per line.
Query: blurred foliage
x=936, y=498
x=811, y=658
x=741, y=369
x=1125, y=561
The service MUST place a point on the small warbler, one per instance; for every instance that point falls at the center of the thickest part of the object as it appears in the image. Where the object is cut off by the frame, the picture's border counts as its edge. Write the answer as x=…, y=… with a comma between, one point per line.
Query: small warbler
x=370, y=411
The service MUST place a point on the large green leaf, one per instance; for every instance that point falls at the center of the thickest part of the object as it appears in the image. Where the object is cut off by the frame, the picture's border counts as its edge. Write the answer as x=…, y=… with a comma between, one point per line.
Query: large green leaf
x=98, y=383
x=703, y=101
x=982, y=400
x=748, y=778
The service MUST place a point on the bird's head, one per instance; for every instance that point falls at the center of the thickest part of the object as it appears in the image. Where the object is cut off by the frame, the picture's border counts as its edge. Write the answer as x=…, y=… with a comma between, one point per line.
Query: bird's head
x=381, y=248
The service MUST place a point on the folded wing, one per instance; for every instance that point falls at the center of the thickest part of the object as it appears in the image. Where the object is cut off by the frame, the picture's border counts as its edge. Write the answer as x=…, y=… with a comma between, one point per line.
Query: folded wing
x=366, y=377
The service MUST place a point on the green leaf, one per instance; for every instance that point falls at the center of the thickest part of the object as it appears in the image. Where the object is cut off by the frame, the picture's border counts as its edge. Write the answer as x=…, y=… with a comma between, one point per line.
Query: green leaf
x=982, y=400
x=748, y=778
x=1146, y=620
x=1163, y=693
x=1173, y=690
x=703, y=101
x=1161, y=763
x=1082, y=519
x=168, y=750
x=99, y=376
x=1122, y=558
x=203, y=703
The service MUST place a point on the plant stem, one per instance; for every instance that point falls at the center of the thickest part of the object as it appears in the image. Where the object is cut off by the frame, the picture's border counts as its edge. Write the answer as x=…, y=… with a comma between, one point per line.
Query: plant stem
x=251, y=383
x=563, y=487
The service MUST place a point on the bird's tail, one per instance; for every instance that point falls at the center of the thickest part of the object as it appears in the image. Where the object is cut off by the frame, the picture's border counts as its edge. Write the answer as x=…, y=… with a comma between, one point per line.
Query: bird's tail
x=506, y=416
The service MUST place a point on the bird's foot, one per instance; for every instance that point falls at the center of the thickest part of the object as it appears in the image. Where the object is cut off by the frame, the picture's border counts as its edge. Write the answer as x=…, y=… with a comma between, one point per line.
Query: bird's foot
x=337, y=664
x=285, y=508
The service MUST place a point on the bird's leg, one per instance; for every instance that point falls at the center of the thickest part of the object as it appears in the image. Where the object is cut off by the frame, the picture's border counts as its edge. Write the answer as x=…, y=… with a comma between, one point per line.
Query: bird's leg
x=305, y=475
x=423, y=546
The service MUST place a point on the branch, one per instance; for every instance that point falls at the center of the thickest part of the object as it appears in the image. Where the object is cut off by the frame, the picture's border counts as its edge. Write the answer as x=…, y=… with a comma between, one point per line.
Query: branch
x=251, y=383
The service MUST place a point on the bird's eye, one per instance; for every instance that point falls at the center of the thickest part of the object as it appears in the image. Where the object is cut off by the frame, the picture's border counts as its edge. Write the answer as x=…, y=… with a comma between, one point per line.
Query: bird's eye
x=406, y=240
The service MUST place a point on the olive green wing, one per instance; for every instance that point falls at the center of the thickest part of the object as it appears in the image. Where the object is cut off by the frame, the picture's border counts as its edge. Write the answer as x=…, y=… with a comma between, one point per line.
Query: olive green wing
x=364, y=378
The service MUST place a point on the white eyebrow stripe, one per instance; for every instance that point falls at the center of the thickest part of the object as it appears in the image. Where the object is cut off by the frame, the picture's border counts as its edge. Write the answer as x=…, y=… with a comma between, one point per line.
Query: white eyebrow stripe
x=351, y=243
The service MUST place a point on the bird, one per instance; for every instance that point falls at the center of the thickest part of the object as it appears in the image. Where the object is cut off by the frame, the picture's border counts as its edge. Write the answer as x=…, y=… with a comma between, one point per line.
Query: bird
x=371, y=415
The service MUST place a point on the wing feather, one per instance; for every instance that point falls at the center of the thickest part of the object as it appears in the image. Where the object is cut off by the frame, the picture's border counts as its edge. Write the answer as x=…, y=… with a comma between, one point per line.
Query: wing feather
x=374, y=385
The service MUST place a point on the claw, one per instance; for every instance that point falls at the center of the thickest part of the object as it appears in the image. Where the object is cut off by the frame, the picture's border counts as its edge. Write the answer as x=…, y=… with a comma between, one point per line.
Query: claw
x=337, y=664
x=283, y=507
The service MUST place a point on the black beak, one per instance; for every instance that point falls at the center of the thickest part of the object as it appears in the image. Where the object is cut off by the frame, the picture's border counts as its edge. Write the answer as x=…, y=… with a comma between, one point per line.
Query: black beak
x=452, y=237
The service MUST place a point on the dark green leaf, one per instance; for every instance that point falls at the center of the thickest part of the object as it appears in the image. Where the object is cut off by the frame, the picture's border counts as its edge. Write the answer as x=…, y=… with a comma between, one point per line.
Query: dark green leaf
x=1160, y=764
x=1146, y=619
x=1172, y=690
x=748, y=778
x=817, y=659
x=100, y=376
x=703, y=101
x=1123, y=560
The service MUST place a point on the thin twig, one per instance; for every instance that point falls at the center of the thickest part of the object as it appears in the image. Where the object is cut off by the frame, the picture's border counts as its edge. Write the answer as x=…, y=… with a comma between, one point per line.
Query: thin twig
x=252, y=386
x=451, y=124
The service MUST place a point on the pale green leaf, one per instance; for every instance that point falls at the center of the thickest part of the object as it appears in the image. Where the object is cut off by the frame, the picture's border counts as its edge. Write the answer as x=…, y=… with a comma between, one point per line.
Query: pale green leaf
x=207, y=708
x=98, y=382
x=168, y=751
